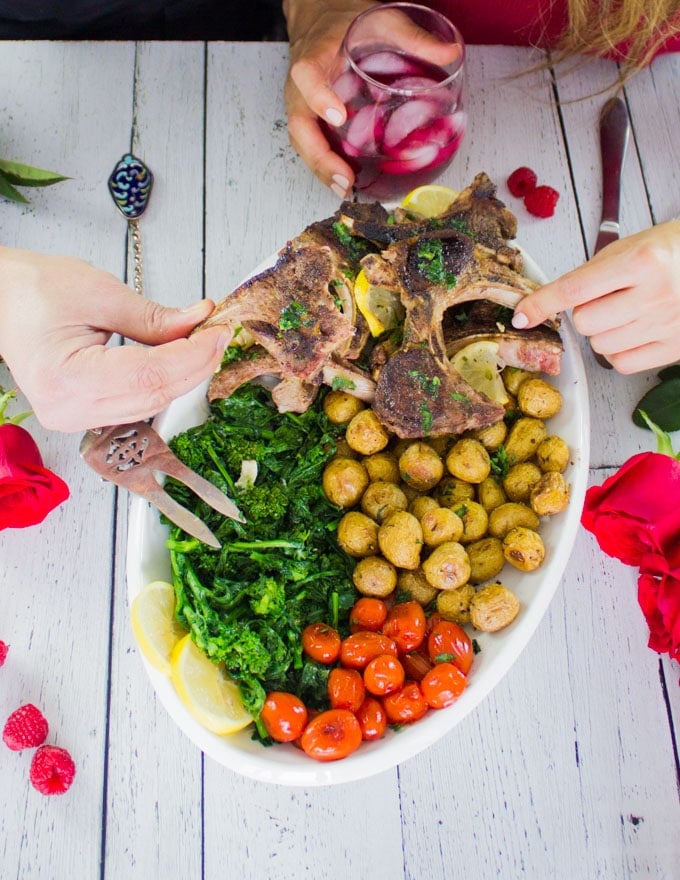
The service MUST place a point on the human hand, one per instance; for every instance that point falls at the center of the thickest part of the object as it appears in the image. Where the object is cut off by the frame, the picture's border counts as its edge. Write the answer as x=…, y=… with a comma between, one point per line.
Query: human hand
x=316, y=30
x=626, y=299
x=56, y=316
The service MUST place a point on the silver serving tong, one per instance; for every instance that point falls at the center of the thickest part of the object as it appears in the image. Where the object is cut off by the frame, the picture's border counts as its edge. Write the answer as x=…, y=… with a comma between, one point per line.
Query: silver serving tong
x=128, y=455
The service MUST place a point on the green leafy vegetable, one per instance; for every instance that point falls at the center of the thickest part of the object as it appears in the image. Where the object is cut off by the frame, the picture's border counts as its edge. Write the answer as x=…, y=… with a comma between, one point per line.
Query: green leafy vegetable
x=661, y=404
x=247, y=603
x=13, y=174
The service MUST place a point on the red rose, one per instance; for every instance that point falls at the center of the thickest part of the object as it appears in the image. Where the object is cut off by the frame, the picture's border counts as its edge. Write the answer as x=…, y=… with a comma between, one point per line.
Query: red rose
x=659, y=598
x=28, y=491
x=636, y=511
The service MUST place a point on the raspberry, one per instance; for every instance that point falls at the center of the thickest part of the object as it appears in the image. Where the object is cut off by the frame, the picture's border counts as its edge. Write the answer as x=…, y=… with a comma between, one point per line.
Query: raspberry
x=541, y=202
x=25, y=728
x=3, y=652
x=52, y=770
x=522, y=181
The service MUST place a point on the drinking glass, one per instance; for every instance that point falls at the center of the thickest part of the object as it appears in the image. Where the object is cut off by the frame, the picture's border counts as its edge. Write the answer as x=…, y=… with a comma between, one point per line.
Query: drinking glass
x=400, y=73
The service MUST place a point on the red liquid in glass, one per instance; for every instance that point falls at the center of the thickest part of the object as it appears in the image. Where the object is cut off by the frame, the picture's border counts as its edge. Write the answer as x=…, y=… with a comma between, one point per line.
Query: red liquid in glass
x=397, y=141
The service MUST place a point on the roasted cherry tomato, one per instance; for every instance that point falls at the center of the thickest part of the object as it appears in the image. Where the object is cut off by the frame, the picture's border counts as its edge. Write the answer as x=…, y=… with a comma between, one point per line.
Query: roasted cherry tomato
x=321, y=642
x=372, y=719
x=346, y=689
x=449, y=643
x=367, y=614
x=406, y=625
x=442, y=685
x=384, y=675
x=360, y=648
x=416, y=664
x=284, y=716
x=332, y=735
x=406, y=705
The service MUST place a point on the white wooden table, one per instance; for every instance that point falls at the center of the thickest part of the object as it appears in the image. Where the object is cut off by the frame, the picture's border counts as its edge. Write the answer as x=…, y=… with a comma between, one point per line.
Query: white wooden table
x=569, y=769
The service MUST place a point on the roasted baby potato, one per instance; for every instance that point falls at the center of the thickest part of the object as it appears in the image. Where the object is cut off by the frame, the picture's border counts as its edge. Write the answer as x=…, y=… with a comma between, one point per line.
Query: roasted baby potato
x=520, y=480
x=509, y=515
x=523, y=548
x=550, y=495
x=538, y=398
x=358, y=534
x=344, y=481
x=450, y=492
x=439, y=525
x=513, y=378
x=382, y=466
x=448, y=566
x=553, y=454
x=400, y=538
x=420, y=466
x=524, y=438
x=468, y=460
x=365, y=434
x=419, y=505
x=374, y=576
x=491, y=494
x=380, y=500
x=486, y=559
x=493, y=607
x=492, y=437
x=415, y=585
x=475, y=521
x=341, y=407
x=454, y=605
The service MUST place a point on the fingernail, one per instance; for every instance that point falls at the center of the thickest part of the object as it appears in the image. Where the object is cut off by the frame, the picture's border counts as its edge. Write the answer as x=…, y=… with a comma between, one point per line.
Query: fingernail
x=223, y=340
x=340, y=185
x=195, y=308
x=519, y=320
x=333, y=116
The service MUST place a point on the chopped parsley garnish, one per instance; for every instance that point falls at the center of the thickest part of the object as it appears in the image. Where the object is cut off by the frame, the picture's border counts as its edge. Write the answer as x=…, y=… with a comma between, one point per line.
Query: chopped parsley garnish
x=462, y=398
x=429, y=384
x=236, y=353
x=425, y=418
x=340, y=383
x=431, y=262
x=500, y=464
x=356, y=247
x=293, y=317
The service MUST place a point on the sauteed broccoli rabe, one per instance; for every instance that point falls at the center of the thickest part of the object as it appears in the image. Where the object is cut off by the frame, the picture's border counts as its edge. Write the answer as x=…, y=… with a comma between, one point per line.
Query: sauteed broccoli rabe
x=247, y=603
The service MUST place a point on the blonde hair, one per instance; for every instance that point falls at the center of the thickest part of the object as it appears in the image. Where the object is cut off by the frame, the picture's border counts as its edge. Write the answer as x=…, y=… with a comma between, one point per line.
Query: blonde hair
x=596, y=28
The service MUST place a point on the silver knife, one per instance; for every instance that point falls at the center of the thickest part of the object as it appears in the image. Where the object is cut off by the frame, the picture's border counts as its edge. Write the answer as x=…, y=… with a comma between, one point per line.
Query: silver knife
x=614, y=135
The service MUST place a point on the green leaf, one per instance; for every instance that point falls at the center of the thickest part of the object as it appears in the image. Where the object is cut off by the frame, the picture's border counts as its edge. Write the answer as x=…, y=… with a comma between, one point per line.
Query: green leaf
x=664, y=445
x=672, y=372
x=8, y=191
x=27, y=175
x=662, y=405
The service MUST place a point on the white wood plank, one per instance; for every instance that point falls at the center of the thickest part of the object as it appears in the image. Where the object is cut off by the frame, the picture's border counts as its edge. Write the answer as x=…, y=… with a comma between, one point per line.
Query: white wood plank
x=58, y=103
x=154, y=772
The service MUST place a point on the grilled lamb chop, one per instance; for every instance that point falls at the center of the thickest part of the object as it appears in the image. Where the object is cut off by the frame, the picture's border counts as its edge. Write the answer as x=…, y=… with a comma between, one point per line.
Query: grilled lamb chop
x=537, y=350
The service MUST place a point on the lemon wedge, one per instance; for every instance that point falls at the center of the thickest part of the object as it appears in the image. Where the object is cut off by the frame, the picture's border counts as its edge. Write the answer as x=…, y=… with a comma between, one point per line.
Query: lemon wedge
x=478, y=364
x=206, y=690
x=429, y=201
x=152, y=617
x=380, y=306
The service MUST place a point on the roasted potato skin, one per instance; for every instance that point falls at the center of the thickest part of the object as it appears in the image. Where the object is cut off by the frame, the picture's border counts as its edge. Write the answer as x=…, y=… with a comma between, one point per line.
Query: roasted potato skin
x=421, y=466
x=523, y=548
x=513, y=378
x=475, y=521
x=380, y=500
x=493, y=436
x=416, y=586
x=539, y=399
x=451, y=492
x=454, y=605
x=468, y=460
x=344, y=481
x=553, y=454
x=524, y=438
x=382, y=467
x=358, y=534
x=341, y=407
x=439, y=525
x=509, y=515
x=365, y=434
x=448, y=566
x=400, y=538
x=493, y=607
x=420, y=505
x=375, y=576
x=490, y=493
x=550, y=495
x=486, y=559
x=520, y=480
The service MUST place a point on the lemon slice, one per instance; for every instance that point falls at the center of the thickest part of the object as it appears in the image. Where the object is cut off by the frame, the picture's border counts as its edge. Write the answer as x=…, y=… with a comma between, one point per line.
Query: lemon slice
x=478, y=364
x=429, y=201
x=152, y=617
x=206, y=690
x=380, y=306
